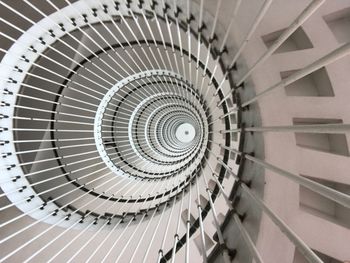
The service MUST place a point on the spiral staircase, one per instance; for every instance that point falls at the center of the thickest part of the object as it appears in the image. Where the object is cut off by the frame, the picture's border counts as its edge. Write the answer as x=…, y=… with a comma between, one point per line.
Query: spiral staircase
x=175, y=131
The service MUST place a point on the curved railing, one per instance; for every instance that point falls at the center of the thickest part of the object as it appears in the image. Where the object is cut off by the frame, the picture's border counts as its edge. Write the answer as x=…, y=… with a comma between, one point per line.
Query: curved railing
x=125, y=131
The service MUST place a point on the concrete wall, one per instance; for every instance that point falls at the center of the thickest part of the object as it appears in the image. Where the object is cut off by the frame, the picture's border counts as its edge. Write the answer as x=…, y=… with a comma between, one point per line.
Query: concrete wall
x=317, y=221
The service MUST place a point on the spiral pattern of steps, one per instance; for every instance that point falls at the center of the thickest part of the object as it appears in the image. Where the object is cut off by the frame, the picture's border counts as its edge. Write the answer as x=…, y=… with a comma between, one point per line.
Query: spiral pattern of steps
x=129, y=133
x=113, y=122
